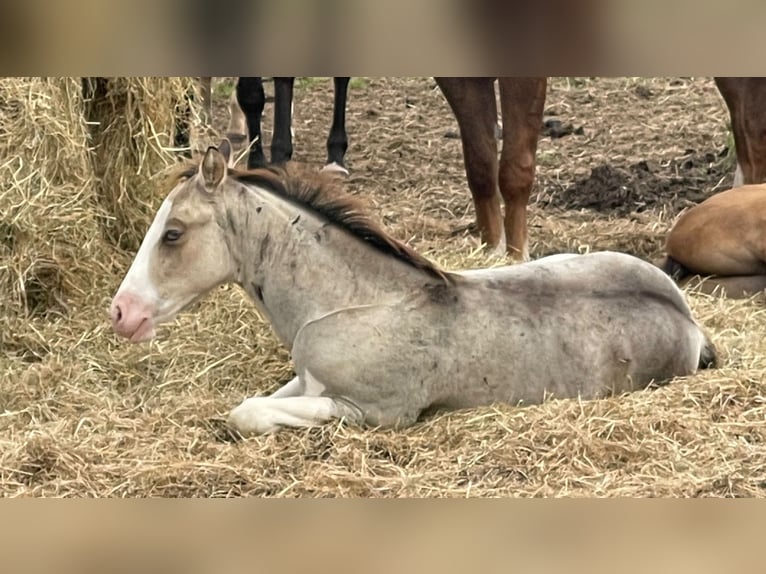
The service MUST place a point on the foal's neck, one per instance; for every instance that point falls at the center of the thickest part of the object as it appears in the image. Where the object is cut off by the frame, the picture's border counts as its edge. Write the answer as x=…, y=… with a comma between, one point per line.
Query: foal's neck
x=296, y=266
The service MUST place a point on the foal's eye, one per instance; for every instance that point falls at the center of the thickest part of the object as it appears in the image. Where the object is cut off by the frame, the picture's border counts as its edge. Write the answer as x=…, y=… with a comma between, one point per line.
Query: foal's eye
x=171, y=236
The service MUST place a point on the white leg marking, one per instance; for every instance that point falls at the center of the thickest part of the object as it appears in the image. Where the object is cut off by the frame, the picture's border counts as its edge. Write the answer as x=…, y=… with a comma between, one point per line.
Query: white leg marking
x=290, y=389
x=499, y=250
x=739, y=179
x=313, y=387
x=335, y=168
x=261, y=415
x=525, y=251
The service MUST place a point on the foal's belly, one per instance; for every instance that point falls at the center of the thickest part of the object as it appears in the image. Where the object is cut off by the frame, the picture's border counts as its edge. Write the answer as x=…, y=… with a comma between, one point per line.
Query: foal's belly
x=587, y=353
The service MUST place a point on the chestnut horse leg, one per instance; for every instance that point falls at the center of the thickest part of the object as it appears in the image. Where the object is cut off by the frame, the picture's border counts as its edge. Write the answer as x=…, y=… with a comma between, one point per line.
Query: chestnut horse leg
x=522, y=101
x=473, y=102
x=251, y=100
x=746, y=100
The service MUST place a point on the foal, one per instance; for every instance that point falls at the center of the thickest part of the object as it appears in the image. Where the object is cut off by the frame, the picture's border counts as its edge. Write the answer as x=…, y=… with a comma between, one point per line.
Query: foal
x=378, y=333
x=723, y=239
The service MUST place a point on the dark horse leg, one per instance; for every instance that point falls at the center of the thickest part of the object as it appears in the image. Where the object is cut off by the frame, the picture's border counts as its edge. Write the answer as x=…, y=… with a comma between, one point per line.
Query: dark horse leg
x=251, y=100
x=282, y=141
x=337, y=141
x=746, y=100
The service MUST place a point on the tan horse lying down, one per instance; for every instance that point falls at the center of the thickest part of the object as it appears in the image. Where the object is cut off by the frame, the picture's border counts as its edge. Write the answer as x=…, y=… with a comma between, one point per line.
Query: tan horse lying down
x=719, y=244
x=378, y=333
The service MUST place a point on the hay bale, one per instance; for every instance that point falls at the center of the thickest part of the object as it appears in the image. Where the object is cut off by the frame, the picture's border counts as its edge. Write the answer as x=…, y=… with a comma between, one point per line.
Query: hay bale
x=71, y=189
x=132, y=126
x=49, y=217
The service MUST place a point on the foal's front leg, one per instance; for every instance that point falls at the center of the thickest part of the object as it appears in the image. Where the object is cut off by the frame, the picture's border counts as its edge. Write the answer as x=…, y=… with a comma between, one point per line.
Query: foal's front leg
x=261, y=415
x=291, y=388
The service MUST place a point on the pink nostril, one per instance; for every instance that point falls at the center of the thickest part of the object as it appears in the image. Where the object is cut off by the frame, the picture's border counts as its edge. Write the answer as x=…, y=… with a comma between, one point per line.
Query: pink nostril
x=116, y=314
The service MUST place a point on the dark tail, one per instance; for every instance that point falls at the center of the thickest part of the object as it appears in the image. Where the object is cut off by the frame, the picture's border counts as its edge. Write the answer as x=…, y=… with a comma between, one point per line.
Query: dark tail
x=708, y=355
x=676, y=270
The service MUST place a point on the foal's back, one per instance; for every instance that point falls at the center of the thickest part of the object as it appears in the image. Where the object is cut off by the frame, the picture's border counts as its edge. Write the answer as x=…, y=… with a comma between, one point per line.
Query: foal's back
x=587, y=325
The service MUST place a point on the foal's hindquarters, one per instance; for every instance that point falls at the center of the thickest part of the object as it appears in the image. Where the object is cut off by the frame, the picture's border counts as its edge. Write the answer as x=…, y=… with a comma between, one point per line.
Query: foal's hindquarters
x=587, y=326
x=720, y=244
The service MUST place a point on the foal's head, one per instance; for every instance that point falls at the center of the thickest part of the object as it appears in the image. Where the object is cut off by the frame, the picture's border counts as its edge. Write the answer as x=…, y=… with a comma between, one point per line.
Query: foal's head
x=183, y=256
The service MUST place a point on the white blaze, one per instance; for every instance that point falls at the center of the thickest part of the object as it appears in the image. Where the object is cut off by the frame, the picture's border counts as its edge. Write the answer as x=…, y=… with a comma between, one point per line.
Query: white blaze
x=137, y=280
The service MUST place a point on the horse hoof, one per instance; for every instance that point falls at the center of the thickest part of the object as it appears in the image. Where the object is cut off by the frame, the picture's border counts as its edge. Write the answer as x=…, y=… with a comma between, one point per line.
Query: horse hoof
x=335, y=168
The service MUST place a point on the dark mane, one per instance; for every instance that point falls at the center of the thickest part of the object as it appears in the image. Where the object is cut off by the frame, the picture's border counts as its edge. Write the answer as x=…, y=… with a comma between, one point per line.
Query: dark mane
x=322, y=195
x=325, y=197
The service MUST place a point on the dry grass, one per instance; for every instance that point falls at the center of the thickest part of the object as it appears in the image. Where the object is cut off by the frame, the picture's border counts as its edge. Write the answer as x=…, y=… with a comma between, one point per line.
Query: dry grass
x=82, y=414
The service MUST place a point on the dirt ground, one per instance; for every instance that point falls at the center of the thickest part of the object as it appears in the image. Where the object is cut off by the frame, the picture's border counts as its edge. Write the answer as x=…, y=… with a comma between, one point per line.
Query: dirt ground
x=96, y=417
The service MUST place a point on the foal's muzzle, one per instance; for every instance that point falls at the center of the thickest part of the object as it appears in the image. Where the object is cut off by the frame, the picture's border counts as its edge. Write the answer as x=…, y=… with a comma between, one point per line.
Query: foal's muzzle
x=131, y=317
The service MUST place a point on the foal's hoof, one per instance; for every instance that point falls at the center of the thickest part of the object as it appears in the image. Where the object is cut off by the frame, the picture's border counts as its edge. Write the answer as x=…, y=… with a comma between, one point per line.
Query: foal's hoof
x=335, y=168
x=252, y=417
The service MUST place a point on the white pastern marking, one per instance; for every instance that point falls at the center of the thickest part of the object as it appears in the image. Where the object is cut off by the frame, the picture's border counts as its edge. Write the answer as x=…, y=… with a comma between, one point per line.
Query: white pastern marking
x=137, y=280
x=261, y=415
x=290, y=389
x=739, y=179
x=313, y=388
x=335, y=168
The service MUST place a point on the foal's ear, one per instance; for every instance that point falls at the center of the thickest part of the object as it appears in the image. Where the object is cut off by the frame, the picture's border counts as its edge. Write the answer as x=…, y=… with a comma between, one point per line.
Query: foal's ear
x=225, y=148
x=213, y=168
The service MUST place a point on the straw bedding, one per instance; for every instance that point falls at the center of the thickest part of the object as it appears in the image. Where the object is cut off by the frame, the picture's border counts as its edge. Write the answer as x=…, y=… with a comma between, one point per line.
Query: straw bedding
x=84, y=414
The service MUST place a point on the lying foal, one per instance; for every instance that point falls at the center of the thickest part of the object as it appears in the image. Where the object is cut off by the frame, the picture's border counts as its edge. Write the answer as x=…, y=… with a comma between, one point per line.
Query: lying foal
x=720, y=244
